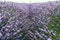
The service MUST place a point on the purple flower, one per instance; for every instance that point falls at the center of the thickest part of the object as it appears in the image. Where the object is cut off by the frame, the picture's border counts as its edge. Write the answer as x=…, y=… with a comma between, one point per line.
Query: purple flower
x=1, y=35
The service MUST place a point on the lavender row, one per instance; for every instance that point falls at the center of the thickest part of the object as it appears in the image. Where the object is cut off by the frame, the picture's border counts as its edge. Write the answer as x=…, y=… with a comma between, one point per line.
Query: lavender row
x=25, y=21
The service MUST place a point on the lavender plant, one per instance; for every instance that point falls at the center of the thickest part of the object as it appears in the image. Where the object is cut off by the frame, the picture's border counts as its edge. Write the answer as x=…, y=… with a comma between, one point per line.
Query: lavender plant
x=27, y=22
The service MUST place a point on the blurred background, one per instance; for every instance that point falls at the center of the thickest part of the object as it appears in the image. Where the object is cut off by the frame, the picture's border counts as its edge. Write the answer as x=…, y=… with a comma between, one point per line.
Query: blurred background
x=28, y=1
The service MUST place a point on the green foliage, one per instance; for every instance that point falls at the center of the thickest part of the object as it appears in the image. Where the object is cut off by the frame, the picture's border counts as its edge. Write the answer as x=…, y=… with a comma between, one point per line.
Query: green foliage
x=55, y=26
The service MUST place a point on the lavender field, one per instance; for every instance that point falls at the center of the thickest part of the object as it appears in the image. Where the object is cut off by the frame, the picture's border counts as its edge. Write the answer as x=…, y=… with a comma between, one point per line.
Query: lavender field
x=35, y=21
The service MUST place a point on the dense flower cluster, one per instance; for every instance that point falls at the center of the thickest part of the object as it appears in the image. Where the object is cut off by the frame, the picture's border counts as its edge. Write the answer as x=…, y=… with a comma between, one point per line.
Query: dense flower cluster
x=19, y=21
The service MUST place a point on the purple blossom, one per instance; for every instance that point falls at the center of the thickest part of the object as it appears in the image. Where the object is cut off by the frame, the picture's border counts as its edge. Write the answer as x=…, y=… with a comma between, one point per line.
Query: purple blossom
x=25, y=21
